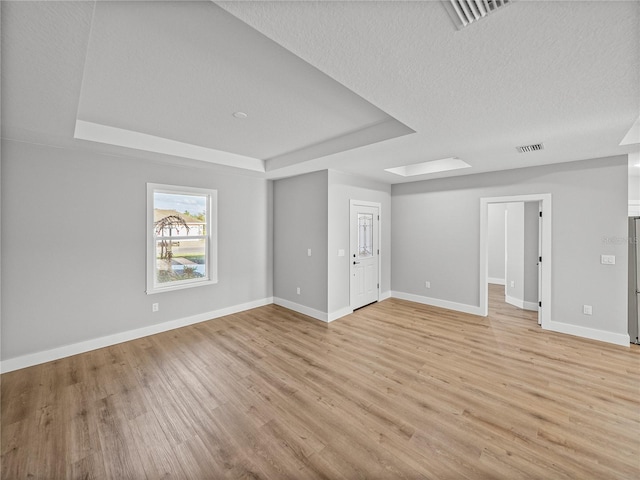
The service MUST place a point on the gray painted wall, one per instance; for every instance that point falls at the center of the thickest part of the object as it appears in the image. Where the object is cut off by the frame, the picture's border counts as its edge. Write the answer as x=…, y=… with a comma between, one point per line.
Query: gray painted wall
x=73, y=241
x=342, y=189
x=301, y=222
x=0, y=207
x=436, y=229
x=495, y=240
x=515, y=250
x=73, y=245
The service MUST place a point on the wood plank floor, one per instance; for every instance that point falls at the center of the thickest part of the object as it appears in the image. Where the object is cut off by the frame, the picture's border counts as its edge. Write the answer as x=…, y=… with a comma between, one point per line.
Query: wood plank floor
x=396, y=390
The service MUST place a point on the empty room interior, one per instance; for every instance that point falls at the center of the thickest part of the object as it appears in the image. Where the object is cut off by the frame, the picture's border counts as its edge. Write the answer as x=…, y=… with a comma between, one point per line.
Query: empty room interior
x=328, y=239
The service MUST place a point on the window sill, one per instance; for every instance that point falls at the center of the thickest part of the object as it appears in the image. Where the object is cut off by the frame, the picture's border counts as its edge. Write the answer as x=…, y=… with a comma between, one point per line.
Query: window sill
x=182, y=286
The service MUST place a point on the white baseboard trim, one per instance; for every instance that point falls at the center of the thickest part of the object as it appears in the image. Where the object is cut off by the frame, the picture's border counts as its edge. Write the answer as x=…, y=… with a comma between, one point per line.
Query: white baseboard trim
x=496, y=281
x=523, y=304
x=436, y=302
x=303, y=309
x=343, y=312
x=37, y=358
x=385, y=295
x=516, y=302
x=591, y=333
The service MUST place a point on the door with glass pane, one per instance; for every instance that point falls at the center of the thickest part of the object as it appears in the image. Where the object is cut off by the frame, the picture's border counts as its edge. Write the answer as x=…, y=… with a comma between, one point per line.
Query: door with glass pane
x=364, y=255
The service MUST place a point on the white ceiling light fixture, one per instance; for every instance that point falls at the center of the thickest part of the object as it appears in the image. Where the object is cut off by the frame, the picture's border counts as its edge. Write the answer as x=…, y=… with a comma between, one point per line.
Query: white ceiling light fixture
x=426, y=168
x=465, y=12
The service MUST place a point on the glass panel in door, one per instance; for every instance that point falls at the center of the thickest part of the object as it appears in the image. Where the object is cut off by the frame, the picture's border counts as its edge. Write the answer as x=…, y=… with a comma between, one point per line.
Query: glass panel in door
x=365, y=235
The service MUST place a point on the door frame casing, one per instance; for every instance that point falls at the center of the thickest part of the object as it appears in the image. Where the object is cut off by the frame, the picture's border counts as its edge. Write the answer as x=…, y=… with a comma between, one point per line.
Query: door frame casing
x=544, y=294
x=364, y=203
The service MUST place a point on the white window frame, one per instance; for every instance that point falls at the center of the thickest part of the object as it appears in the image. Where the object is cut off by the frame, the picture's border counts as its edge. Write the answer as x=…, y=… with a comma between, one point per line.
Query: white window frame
x=211, y=239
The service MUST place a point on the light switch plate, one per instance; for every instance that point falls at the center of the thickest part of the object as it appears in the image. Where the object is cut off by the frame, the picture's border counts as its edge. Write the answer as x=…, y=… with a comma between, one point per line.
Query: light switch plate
x=341, y=253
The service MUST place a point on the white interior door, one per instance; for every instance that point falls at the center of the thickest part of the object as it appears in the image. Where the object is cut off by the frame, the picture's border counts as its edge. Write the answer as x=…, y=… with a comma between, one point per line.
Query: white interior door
x=365, y=254
x=637, y=267
x=540, y=264
x=506, y=252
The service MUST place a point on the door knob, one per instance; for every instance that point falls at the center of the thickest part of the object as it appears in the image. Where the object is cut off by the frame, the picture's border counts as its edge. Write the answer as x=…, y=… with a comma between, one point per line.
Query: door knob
x=356, y=263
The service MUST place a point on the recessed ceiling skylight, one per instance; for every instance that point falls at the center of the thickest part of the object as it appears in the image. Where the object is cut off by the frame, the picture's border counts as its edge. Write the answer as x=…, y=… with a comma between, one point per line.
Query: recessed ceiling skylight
x=633, y=135
x=425, y=168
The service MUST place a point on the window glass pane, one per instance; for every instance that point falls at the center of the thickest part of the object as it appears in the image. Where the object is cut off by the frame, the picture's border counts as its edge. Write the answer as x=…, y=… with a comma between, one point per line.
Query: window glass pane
x=178, y=214
x=181, y=259
x=181, y=251
x=365, y=235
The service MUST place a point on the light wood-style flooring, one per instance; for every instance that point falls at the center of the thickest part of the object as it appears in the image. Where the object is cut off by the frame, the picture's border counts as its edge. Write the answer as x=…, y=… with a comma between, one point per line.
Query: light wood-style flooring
x=396, y=390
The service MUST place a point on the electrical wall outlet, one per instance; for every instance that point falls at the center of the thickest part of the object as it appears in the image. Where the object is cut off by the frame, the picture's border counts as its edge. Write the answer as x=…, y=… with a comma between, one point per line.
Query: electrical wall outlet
x=308, y=252
x=608, y=259
x=427, y=284
x=155, y=307
x=587, y=309
x=298, y=290
x=513, y=283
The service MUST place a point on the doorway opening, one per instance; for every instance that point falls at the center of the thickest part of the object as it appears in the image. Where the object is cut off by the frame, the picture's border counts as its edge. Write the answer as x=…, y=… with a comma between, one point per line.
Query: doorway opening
x=364, y=255
x=514, y=257
x=541, y=264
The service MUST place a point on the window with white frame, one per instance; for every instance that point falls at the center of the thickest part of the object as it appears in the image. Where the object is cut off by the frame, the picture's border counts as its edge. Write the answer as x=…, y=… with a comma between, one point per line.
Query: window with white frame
x=181, y=237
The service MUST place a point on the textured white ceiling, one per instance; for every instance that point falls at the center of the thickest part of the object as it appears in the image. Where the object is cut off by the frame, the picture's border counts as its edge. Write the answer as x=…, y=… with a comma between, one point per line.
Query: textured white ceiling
x=179, y=71
x=43, y=53
x=563, y=73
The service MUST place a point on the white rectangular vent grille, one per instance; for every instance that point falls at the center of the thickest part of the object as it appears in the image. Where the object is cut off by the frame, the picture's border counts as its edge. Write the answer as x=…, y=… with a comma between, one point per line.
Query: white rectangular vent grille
x=469, y=11
x=530, y=148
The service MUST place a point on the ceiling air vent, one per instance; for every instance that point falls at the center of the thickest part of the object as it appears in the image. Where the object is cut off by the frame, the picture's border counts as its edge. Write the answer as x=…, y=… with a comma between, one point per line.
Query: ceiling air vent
x=530, y=148
x=465, y=12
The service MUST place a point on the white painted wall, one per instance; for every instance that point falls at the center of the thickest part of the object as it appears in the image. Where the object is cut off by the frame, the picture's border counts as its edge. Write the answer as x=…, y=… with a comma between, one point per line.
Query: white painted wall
x=301, y=223
x=342, y=188
x=634, y=194
x=496, y=243
x=436, y=228
x=515, y=253
x=86, y=283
